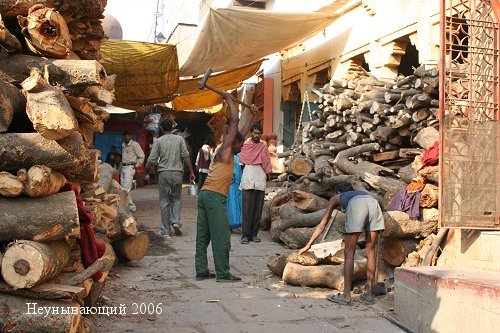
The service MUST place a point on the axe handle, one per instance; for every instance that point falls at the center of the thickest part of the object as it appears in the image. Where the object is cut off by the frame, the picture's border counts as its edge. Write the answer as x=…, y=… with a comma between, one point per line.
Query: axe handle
x=220, y=92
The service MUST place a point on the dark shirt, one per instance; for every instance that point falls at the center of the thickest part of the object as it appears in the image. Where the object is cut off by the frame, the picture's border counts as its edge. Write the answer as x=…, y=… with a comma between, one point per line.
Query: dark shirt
x=346, y=196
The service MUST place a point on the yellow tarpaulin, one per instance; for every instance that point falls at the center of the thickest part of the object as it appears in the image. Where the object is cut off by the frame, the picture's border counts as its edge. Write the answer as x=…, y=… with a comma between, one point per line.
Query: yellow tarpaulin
x=191, y=97
x=146, y=73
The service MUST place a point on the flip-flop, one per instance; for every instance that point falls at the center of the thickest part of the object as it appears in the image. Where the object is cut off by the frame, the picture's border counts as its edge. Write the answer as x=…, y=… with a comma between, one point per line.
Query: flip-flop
x=336, y=299
x=365, y=299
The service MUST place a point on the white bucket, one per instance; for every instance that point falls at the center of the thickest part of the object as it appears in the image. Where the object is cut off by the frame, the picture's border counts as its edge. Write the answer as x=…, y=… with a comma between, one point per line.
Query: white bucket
x=193, y=189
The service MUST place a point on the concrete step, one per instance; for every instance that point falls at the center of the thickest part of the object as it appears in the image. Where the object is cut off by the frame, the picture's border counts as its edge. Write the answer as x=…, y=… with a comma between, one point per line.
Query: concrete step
x=448, y=299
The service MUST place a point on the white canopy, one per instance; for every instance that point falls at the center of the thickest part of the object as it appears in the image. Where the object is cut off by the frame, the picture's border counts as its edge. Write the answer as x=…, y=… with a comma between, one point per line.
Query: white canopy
x=232, y=38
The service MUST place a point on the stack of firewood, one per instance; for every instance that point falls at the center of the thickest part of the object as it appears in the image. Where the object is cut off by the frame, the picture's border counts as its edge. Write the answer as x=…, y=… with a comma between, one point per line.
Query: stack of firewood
x=50, y=107
x=371, y=134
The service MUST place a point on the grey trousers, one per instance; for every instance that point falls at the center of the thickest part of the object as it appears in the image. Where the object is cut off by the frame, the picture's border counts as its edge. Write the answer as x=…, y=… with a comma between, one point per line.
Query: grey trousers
x=170, y=185
x=252, y=204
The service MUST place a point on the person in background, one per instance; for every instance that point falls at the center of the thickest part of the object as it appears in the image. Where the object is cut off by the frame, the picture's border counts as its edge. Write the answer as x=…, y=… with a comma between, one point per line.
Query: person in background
x=169, y=154
x=110, y=156
x=213, y=223
x=257, y=167
x=234, y=197
x=132, y=158
x=203, y=160
x=363, y=215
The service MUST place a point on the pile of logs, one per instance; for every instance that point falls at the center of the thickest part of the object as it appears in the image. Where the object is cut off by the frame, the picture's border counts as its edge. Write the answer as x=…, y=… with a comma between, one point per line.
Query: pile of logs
x=371, y=134
x=52, y=88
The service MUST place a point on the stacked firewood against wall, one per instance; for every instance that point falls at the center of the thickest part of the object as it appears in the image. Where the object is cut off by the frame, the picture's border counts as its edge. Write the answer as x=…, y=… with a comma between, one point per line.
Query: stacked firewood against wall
x=372, y=134
x=53, y=252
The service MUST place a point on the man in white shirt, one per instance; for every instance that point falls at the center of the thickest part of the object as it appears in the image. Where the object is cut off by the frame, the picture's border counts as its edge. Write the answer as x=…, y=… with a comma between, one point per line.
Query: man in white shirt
x=132, y=158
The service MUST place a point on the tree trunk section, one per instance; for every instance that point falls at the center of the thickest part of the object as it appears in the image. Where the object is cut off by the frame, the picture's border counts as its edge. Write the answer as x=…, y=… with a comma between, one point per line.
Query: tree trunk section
x=299, y=220
x=74, y=76
x=132, y=247
x=296, y=238
x=278, y=263
x=23, y=150
x=10, y=185
x=27, y=263
x=398, y=224
x=41, y=181
x=17, y=319
x=426, y=137
x=47, y=108
x=330, y=276
x=300, y=166
x=308, y=202
x=429, y=197
x=12, y=101
x=395, y=250
x=42, y=219
x=265, y=220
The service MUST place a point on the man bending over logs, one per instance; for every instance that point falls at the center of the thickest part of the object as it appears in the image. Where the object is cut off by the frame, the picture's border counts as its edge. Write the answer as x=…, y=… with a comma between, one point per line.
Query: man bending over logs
x=363, y=214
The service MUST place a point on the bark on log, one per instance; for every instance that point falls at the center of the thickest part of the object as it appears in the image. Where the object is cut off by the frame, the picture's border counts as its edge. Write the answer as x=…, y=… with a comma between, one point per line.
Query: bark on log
x=46, y=32
x=48, y=108
x=300, y=166
x=41, y=181
x=407, y=173
x=72, y=75
x=330, y=276
x=23, y=150
x=278, y=263
x=41, y=219
x=296, y=238
x=8, y=41
x=275, y=231
x=15, y=317
x=308, y=202
x=395, y=250
x=299, y=220
x=398, y=224
x=10, y=185
x=90, y=8
x=132, y=247
x=103, y=264
x=12, y=101
x=265, y=220
x=26, y=263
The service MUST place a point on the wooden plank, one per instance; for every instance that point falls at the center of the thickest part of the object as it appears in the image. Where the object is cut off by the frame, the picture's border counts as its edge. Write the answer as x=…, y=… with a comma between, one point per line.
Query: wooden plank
x=48, y=290
x=410, y=152
x=385, y=156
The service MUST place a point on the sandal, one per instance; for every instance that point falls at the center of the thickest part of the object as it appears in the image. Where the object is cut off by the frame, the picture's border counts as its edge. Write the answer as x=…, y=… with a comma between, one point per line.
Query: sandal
x=366, y=300
x=337, y=299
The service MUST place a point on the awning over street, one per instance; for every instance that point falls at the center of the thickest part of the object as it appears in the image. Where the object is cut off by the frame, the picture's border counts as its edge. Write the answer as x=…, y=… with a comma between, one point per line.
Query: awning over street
x=232, y=38
x=146, y=73
x=191, y=97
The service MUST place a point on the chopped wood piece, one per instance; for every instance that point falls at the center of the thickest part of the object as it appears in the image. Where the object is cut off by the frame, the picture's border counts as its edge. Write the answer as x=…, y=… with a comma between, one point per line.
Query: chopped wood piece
x=10, y=185
x=132, y=247
x=395, y=250
x=42, y=181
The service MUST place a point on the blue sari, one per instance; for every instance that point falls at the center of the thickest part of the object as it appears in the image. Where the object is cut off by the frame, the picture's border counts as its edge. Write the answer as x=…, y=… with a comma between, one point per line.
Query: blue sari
x=234, y=196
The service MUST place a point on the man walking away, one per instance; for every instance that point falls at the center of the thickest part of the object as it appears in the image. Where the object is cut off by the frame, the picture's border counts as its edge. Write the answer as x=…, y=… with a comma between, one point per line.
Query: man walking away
x=213, y=224
x=255, y=156
x=169, y=153
x=203, y=160
x=363, y=214
x=132, y=158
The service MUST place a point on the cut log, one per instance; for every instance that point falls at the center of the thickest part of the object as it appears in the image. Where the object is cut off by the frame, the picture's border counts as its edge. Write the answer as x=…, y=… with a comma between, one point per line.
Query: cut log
x=48, y=108
x=427, y=137
x=330, y=276
x=42, y=181
x=296, y=238
x=299, y=220
x=308, y=202
x=103, y=264
x=18, y=315
x=275, y=231
x=8, y=41
x=46, y=290
x=41, y=219
x=10, y=185
x=431, y=173
x=23, y=150
x=429, y=197
x=407, y=173
x=132, y=247
x=395, y=250
x=300, y=166
x=72, y=75
x=265, y=220
x=278, y=263
x=88, y=8
x=46, y=32
x=26, y=263
x=12, y=102
x=398, y=224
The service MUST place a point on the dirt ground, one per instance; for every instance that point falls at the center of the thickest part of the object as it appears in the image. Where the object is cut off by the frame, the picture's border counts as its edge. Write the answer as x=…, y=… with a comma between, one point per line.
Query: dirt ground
x=160, y=293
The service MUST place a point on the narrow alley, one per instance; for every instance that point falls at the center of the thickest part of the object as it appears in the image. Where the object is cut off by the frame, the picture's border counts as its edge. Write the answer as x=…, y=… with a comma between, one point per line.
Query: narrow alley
x=261, y=303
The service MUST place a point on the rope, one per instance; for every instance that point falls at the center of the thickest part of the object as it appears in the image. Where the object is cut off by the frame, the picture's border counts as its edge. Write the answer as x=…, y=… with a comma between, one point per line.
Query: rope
x=304, y=101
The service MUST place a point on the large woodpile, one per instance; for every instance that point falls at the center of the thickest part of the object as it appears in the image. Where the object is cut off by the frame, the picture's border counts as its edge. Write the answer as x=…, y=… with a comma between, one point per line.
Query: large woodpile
x=51, y=90
x=369, y=133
